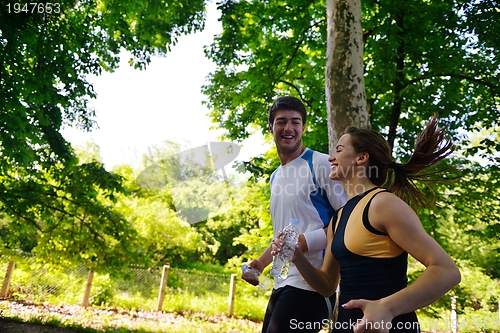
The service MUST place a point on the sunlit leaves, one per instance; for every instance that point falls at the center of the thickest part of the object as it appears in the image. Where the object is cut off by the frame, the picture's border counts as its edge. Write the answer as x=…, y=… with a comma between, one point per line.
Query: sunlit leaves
x=421, y=58
x=50, y=202
x=271, y=48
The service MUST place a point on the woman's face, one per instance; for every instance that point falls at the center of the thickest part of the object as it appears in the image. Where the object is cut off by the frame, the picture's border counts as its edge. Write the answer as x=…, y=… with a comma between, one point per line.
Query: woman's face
x=343, y=159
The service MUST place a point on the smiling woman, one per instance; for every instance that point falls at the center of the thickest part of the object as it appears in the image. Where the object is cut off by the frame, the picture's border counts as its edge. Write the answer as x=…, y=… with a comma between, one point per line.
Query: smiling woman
x=372, y=235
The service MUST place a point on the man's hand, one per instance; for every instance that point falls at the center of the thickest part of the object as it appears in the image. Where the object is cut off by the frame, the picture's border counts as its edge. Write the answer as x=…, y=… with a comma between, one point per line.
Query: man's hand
x=257, y=265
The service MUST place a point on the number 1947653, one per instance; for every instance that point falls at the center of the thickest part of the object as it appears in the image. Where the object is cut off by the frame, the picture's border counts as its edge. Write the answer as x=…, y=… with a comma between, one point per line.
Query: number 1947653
x=34, y=7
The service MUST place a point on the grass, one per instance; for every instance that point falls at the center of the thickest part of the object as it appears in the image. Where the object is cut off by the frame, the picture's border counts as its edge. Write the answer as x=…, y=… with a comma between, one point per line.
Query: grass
x=471, y=321
x=93, y=320
x=196, y=301
x=102, y=320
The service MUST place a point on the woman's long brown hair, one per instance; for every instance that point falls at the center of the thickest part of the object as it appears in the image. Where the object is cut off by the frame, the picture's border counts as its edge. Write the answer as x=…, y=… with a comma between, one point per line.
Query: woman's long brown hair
x=431, y=147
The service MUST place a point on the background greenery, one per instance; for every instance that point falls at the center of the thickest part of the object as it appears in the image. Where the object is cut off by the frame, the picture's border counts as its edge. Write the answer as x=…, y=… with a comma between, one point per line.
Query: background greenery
x=195, y=295
x=421, y=57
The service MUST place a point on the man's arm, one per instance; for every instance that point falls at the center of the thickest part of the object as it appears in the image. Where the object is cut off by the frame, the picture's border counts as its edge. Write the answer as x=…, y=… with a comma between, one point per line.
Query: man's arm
x=313, y=240
x=265, y=259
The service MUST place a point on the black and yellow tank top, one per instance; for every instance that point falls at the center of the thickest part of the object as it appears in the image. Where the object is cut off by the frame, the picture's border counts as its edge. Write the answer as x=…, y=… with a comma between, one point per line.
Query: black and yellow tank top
x=372, y=266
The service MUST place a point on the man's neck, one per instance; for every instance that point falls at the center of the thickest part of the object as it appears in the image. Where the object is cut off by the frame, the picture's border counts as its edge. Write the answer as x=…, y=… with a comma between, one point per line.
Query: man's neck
x=290, y=156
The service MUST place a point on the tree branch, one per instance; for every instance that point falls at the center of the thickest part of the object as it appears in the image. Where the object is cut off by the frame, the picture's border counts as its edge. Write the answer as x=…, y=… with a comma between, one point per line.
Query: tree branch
x=459, y=76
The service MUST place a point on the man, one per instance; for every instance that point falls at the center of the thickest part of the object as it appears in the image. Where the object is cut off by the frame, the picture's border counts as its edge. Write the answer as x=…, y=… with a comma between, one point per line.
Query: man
x=300, y=189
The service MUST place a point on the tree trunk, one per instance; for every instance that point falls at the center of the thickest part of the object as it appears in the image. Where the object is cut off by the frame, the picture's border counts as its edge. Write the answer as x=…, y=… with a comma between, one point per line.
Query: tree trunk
x=345, y=84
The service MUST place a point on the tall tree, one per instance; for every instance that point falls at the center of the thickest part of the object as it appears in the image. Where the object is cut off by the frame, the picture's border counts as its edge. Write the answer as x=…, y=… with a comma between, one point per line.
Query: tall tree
x=50, y=202
x=268, y=48
x=345, y=83
x=420, y=58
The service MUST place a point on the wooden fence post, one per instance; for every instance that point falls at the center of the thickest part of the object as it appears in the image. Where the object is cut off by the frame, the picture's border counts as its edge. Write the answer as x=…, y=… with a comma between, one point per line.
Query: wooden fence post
x=6, y=281
x=88, y=287
x=163, y=286
x=232, y=292
x=454, y=317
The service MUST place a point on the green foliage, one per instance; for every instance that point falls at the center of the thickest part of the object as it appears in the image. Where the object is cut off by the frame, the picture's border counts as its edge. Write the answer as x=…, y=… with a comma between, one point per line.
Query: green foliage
x=167, y=190
x=50, y=203
x=476, y=303
x=420, y=58
x=185, y=214
x=416, y=64
x=242, y=214
x=42, y=282
x=102, y=290
x=166, y=237
x=478, y=291
x=65, y=214
x=268, y=48
x=469, y=212
x=256, y=238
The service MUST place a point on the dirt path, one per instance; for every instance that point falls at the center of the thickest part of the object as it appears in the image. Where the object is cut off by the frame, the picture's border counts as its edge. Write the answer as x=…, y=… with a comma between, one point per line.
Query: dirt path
x=7, y=326
x=110, y=318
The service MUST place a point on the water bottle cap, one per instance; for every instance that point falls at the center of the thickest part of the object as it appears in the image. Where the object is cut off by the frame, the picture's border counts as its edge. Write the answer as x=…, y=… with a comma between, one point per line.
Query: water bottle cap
x=294, y=221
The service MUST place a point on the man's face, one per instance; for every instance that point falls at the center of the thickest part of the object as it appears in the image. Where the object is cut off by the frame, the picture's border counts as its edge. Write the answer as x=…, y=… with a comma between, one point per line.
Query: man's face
x=287, y=129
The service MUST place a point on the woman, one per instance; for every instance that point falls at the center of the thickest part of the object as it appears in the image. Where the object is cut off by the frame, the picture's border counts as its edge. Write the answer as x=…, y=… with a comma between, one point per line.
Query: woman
x=372, y=235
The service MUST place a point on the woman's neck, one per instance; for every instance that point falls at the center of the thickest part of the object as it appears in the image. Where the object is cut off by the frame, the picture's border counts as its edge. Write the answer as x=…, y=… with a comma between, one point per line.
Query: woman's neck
x=355, y=186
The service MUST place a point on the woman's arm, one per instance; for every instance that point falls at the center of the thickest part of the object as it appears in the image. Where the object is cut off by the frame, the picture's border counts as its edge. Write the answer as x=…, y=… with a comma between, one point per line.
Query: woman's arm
x=390, y=214
x=324, y=280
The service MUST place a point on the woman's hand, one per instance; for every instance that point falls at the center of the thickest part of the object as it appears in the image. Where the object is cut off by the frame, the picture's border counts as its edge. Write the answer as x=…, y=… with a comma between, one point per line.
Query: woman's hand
x=376, y=317
x=277, y=244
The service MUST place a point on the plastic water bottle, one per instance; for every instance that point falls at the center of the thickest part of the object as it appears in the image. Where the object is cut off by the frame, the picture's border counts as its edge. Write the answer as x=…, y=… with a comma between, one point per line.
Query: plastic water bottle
x=253, y=273
x=281, y=262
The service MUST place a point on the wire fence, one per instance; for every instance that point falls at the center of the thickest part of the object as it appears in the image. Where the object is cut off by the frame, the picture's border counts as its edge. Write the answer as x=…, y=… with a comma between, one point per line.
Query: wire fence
x=39, y=282
x=36, y=281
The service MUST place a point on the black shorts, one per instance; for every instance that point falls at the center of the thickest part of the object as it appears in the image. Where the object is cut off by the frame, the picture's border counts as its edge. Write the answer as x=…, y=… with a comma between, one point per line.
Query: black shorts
x=292, y=309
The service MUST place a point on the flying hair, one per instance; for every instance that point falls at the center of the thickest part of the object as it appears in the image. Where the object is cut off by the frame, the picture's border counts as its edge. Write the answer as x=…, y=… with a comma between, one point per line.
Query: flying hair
x=431, y=147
